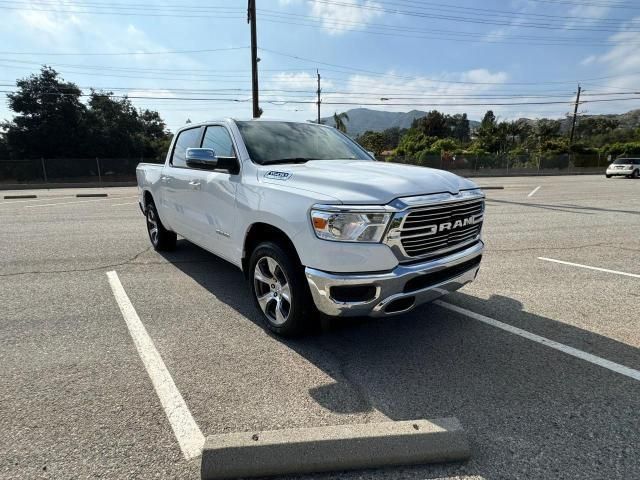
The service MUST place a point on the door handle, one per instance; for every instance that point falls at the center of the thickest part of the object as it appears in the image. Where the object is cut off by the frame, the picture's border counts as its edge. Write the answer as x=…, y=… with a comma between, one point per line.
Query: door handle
x=195, y=184
x=165, y=179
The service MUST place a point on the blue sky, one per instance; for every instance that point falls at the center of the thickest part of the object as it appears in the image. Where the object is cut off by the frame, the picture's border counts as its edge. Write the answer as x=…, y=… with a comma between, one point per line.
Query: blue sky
x=413, y=53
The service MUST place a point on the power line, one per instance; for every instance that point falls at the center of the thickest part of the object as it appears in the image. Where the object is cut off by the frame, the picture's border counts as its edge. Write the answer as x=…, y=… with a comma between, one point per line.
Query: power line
x=167, y=52
x=588, y=4
x=419, y=14
x=147, y=9
x=371, y=72
x=465, y=37
x=492, y=12
x=310, y=102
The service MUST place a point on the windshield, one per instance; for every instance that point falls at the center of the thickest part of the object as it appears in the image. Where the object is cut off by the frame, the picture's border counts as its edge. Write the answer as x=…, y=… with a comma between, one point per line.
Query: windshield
x=622, y=161
x=290, y=142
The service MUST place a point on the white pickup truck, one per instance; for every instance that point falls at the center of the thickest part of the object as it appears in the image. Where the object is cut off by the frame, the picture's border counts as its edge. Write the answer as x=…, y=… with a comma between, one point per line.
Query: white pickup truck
x=313, y=221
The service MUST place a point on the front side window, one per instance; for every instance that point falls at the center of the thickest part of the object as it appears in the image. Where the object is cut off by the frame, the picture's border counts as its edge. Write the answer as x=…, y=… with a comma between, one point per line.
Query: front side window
x=186, y=139
x=288, y=142
x=218, y=139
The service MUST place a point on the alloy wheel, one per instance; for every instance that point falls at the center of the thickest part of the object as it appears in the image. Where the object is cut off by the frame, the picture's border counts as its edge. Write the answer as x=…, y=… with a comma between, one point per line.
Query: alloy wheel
x=152, y=225
x=272, y=290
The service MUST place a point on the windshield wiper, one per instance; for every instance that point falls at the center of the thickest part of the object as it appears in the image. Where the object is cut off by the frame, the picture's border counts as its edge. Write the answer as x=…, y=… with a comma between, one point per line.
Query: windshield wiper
x=290, y=160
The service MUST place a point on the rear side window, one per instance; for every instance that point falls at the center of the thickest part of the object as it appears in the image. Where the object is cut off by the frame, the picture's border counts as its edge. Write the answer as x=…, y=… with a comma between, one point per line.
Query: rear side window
x=218, y=139
x=186, y=139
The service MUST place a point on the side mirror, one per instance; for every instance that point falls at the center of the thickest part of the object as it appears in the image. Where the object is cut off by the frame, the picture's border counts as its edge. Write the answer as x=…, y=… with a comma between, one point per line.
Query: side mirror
x=204, y=158
x=371, y=153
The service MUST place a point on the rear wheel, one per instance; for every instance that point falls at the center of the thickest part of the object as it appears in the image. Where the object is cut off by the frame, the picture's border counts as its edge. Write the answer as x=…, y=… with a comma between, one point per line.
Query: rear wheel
x=608, y=176
x=635, y=174
x=279, y=290
x=161, y=238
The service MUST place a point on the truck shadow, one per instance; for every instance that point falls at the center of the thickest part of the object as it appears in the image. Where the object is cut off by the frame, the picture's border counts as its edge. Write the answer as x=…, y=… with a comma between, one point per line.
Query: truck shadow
x=530, y=411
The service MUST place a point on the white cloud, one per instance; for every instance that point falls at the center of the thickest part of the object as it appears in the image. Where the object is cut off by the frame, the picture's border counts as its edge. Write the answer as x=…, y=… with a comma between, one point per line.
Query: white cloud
x=622, y=60
x=588, y=60
x=621, y=64
x=482, y=75
x=589, y=15
x=152, y=93
x=57, y=21
x=292, y=87
x=418, y=93
x=297, y=81
x=346, y=16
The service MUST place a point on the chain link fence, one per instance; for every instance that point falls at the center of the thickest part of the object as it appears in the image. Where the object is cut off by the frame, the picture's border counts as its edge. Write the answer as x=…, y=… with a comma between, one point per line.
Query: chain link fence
x=69, y=170
x=115, y=170
x=497, y=165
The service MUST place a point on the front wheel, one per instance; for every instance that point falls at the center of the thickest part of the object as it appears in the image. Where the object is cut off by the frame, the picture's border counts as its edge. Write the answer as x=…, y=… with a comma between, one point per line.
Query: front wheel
x=608, y=176
x=279, y=290
x=635, y=174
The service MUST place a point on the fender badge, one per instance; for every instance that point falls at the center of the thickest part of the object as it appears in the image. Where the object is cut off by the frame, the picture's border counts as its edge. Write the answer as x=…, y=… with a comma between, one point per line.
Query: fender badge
x=276, y=175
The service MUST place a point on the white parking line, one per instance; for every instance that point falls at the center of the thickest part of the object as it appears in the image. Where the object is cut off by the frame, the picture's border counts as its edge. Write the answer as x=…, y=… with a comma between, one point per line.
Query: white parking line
x=78, y=201
x=617, y=272
x=533, y=192
x=615, y=367
x=184, y=426
x=120, y=204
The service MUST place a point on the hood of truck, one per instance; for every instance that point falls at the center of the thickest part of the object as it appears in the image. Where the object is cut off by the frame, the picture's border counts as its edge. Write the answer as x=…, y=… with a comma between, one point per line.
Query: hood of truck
x=363, y=182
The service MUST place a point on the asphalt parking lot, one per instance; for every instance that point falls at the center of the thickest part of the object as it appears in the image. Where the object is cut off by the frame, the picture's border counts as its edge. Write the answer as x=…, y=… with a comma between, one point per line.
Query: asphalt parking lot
x=77, y=402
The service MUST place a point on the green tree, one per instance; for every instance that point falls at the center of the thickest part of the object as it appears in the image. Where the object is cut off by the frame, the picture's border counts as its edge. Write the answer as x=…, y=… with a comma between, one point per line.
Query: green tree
x=434, y=124
x=488, y=133
x=413, y=143
x=53, y=122
x=444, y=145
x=375, y=142
x=50, y=120
x=547, y=129
x=339, y=120
x=155, y=136
x=4, y=146
x=392, y=136
x=458, y=126
x=114, y=125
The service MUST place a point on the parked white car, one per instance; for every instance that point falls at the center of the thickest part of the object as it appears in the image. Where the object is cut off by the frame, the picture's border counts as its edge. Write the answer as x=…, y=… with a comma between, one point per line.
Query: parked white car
x=628, y=167
x=312, y=220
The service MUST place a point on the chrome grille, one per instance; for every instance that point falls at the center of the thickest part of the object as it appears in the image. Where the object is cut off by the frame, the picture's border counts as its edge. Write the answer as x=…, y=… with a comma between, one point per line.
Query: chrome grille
x=424, y=230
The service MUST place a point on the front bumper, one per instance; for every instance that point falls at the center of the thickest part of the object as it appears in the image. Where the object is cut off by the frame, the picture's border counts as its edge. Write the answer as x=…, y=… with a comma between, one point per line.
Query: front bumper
x=614, y=171
x=399, y=290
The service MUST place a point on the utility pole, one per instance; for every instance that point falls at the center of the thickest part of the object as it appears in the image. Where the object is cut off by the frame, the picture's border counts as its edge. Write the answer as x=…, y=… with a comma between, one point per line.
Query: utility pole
x=575, y=114
x=251, y=18
x=318, y=103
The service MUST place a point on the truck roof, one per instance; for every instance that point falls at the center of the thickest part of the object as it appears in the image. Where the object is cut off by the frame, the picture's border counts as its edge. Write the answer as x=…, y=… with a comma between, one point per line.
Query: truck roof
x=229, y=119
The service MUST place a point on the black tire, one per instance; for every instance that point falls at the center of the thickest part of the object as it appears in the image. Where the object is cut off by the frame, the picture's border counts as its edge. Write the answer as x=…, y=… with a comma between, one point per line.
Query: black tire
x=635, y=174
x=161, y=238
x=608, y=176
x=286, y=317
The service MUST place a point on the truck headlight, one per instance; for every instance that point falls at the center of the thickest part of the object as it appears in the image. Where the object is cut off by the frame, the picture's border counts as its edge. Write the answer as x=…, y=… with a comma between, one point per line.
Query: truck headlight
x=349, y=226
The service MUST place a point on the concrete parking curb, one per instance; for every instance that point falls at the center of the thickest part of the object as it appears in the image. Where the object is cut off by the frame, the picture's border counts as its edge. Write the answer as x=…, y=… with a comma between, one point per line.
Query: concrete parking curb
x=82, y=195
x=333, y=448
x=13, y=197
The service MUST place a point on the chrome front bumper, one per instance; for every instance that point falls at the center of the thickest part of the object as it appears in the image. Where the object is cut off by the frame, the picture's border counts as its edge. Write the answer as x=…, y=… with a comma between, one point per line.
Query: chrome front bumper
x=399, y=290
x=614, y=171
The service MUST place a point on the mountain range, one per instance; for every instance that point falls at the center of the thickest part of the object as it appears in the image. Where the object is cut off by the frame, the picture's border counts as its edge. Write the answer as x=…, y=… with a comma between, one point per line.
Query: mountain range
x=364, y=119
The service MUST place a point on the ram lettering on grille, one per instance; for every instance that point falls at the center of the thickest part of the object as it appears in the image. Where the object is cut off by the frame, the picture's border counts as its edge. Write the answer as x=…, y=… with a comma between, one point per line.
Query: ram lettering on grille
x=428, y=230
